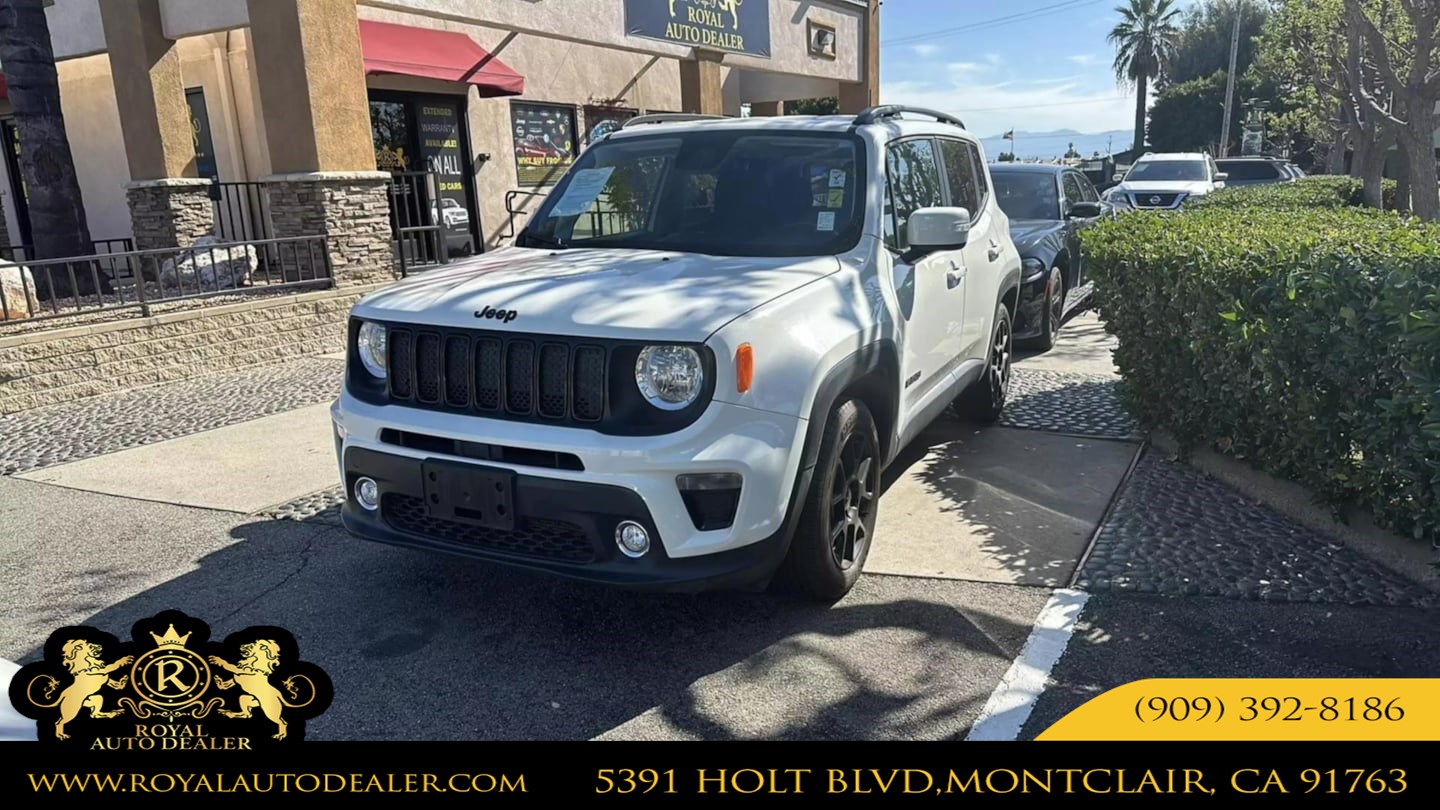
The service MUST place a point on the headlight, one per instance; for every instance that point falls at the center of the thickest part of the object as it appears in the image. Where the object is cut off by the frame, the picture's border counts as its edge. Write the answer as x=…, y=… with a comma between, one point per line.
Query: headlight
x=370, y=345
x=670, y=377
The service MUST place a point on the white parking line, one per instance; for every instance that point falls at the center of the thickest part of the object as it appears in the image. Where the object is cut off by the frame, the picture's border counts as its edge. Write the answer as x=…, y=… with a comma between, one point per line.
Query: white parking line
x=1014, y=697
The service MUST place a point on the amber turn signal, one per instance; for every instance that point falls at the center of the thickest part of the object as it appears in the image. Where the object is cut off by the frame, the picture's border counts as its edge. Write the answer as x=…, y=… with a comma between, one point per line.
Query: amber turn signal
x=744, y=367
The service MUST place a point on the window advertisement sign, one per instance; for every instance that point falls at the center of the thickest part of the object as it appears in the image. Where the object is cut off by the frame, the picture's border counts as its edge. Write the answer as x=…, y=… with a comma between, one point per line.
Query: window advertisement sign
x=739, y=26
x=544, y=142
x=439, y=125
x=601, y=121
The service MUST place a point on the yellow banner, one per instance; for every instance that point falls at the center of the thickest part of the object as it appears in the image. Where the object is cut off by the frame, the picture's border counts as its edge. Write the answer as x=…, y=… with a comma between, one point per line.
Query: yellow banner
x=1258, y=709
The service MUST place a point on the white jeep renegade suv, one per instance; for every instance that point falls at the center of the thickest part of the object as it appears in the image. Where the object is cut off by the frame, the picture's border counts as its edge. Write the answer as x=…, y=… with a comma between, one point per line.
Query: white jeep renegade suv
x=693, y=365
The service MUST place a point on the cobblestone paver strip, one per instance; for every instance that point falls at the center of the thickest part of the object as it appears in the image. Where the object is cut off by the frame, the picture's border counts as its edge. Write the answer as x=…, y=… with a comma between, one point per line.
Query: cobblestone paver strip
x=1064, y=402
x=1177, y=531
x=90, y=427
x=317, y=507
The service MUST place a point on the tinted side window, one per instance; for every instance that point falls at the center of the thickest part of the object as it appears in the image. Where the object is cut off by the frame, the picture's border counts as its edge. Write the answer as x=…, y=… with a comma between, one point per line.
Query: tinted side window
x=1250, y=170
x=1073, y=194
x=960, y=176
x=1086, y=189
x=914, y=179
x=980, y=184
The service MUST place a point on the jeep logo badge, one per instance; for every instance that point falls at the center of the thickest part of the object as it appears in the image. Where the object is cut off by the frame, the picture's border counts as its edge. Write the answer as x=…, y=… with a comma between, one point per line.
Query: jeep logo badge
x=506, y=315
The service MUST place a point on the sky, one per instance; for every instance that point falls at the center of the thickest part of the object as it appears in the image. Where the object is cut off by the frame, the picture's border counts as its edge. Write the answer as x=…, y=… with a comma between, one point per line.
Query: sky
x=1046, y=68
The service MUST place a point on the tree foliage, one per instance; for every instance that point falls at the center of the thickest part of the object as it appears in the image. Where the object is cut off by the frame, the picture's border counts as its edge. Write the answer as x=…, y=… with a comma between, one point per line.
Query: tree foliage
x=1202, y=45
x=827, y=105
x=1144, y=41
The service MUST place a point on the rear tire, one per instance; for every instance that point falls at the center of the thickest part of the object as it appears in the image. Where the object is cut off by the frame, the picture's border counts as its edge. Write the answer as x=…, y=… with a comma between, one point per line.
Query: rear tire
x=984, y=400
x=837, y=524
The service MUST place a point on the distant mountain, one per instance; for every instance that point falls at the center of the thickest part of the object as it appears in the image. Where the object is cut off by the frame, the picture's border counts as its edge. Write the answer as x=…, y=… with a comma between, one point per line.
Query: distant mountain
x=1054, y=143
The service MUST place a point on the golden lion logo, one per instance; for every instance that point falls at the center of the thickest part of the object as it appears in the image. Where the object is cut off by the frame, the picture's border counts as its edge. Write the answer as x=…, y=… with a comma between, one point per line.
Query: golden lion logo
x=252, y=675
x=174, y=688
x=91, y=674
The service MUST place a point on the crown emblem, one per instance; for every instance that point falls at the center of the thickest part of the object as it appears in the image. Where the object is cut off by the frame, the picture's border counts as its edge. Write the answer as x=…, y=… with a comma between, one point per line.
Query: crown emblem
x=171, y=638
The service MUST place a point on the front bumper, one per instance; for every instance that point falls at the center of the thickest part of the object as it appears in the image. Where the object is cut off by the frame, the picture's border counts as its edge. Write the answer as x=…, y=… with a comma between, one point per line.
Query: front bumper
x=576, y=511
x=1030, y=312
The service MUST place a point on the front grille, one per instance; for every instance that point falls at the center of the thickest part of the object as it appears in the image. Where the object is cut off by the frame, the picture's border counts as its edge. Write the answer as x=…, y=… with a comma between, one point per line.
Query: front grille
x=535, y=537
x=510, y=376
x=1154, y=200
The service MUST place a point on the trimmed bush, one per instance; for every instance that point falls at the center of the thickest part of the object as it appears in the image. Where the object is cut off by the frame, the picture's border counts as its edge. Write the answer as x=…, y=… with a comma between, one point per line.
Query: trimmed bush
x=1307, y=192
x=1306, y=341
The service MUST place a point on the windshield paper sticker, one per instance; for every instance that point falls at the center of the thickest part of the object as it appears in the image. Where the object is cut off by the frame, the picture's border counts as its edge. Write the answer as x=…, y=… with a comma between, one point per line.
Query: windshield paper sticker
x=837, y=178
x=825, y=221
x=585, y=187
x=837, y=198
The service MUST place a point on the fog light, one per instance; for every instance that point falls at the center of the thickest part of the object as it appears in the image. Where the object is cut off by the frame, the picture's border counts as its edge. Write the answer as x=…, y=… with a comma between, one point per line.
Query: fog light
x=367, y=493
x=632, y=539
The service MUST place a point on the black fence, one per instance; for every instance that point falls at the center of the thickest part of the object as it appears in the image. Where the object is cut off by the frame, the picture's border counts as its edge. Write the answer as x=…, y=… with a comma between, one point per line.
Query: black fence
x=415, y=220
x=51, y=288
x=23, y=253
x=242, y=211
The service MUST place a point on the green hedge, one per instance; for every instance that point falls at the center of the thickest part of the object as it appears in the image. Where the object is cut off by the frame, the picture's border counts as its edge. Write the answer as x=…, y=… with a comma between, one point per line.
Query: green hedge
x=1304, y=341
x=1308, y=192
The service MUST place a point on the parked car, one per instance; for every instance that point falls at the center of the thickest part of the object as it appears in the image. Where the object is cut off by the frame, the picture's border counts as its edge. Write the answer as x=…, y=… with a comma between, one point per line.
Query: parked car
x=706, y=394
x=1047, y=206
x=451, y=214
x=1166, y=180
x=1256, y=171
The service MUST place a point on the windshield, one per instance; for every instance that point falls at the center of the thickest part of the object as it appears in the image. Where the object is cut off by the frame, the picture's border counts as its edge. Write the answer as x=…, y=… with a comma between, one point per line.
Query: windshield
x=724, y=193
x=1162, y=170
x=1026, y=195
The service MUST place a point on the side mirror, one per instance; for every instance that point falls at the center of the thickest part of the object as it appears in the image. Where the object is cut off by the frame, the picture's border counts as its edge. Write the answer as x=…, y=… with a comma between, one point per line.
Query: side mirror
x=1221, y=177
x=932, y=229
x=1083, y=210
x=1117, y=176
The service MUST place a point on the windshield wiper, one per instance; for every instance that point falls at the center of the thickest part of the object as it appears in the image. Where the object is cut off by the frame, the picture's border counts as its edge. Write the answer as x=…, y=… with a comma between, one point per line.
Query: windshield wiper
x=528, y=239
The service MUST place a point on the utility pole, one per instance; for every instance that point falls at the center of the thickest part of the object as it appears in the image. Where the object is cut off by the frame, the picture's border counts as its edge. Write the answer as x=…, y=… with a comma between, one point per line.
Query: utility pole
x=1230, y=81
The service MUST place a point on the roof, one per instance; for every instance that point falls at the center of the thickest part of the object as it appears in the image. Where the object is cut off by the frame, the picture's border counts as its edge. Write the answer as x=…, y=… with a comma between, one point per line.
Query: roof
x=1171, y=156
x=795, y=123
x=1029, y=168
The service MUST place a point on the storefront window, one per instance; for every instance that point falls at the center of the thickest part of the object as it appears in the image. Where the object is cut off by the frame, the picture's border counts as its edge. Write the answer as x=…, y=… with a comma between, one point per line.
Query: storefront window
x=544, y=136
x=601, y=121
x=421, y=140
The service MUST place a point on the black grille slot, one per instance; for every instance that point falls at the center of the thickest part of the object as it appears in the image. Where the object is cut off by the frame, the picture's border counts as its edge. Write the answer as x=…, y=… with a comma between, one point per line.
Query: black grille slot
x=402, y=363
x=487, y=374
x=554, y=376
x=520, y=376
x=457, y=371
x=588, y=399
x=535, y=378
x=427, y=367
x=536, y=537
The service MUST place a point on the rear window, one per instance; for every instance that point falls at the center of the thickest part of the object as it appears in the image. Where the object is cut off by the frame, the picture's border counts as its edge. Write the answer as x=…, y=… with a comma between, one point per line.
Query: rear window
x=1249, y=169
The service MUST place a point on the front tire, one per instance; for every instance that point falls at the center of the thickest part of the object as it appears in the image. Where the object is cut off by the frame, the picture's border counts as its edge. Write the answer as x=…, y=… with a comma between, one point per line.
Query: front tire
x=984, y=400
x=837, y=523
x=1052, y=313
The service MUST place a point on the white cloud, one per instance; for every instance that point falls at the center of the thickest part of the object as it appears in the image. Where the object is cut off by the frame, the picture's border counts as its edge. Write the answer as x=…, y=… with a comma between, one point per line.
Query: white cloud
x=1039, y=105
x=925, y=50
x=1085, y=59
x=992, y=58
x=962, y=68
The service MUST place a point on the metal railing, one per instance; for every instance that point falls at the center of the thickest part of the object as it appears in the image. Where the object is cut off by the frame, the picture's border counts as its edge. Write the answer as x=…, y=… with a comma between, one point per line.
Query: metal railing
x=242, y=210
x=415, y=220
x=22, y=253
x=511, y=211
x=52, y=288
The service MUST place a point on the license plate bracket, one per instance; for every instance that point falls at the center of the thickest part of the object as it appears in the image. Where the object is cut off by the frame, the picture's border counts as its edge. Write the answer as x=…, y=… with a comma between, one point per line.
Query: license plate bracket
x=467, y=493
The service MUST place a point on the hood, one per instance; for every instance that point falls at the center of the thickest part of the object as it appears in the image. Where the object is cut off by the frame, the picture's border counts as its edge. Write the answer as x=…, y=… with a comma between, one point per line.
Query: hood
x=1192, y=187
x=1032, y=234
x=594, y=293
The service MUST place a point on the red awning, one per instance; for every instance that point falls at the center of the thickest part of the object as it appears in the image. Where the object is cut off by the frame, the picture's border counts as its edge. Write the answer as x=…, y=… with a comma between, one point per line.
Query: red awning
x=446, y=55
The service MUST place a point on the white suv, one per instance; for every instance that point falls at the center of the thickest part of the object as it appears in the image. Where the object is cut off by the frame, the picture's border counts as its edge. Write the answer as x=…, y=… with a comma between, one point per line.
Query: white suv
x=693, y=365
x=1166, y=180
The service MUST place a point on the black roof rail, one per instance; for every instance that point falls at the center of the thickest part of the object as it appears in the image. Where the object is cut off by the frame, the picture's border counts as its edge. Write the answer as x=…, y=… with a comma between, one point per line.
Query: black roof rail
x=666, y=118
x=870, y=115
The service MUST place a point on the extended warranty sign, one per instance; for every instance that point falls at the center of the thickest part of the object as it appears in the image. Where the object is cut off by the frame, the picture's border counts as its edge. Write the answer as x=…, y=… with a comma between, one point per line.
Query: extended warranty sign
x=170, y=688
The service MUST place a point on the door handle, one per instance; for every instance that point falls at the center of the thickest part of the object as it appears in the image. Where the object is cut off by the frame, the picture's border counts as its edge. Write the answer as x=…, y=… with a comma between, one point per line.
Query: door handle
x=994, y=250
x=955, y=275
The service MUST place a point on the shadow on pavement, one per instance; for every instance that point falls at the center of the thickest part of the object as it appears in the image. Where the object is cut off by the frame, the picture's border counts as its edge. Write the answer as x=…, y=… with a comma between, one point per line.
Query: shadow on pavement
x=426, y=646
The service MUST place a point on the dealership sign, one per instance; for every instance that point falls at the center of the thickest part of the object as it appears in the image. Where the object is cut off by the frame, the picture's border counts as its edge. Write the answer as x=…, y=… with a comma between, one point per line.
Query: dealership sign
x=740, y=26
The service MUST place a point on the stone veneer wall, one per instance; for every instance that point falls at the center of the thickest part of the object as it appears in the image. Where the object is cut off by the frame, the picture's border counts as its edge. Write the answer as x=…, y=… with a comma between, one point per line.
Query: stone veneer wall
x=351, y=208
x=169, y=213
x=61, y=365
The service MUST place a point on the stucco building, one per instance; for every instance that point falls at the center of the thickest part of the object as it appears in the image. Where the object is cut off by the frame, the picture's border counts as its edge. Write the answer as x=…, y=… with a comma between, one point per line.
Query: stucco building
x=478, y=104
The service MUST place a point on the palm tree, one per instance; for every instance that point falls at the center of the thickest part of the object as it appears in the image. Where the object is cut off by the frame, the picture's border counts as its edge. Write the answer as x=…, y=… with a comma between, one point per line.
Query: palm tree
x=57, y=212
x=1144, y=41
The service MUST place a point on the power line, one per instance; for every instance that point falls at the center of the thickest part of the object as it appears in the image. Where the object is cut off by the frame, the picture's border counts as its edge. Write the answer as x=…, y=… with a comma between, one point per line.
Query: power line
x=994, y=22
